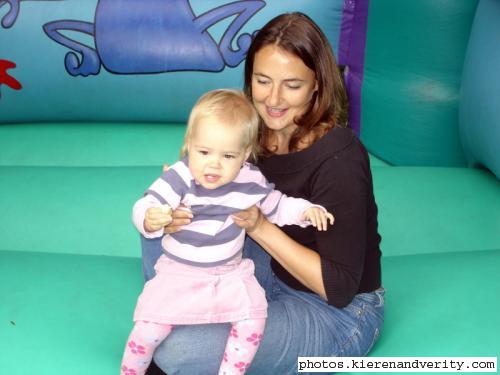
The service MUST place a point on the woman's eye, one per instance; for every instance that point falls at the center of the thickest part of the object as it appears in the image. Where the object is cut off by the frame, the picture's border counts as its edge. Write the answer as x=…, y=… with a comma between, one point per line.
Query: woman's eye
x=293, y=87
x=260, y=82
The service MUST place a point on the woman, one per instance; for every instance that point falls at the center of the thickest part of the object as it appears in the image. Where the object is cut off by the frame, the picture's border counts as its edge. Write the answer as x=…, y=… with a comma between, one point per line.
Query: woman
x=323, y=288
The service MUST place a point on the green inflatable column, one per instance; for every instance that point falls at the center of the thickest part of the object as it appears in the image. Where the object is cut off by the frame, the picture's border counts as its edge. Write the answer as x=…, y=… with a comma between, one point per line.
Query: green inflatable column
x=480, y=93
x=412, y=73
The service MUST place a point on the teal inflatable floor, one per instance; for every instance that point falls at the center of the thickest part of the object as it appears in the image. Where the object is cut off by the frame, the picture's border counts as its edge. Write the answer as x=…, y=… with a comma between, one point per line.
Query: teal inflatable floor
x=70, y=268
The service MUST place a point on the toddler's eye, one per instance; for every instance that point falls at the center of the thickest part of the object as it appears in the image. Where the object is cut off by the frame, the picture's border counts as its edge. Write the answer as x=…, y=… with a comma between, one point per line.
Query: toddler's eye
x=229, y=156
x=203, y=152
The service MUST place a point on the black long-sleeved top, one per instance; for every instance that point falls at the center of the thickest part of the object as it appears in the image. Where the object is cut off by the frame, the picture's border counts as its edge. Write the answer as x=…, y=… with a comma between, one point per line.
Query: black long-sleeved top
x=335, y=173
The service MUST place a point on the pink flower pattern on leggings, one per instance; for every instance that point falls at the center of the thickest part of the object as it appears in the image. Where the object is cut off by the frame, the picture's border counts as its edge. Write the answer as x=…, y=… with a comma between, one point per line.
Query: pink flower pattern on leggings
x=136, y=349
x=234, y=332
x=255, y=338
x=128, y=371
x=242, y=366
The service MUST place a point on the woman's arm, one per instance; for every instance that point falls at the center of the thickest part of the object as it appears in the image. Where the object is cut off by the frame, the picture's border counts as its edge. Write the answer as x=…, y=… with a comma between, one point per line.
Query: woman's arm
x=334, y=267
x=303, y=263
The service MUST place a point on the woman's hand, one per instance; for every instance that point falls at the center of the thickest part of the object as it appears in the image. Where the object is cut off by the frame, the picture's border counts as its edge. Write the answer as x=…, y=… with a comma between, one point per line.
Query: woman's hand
x=303, y=263
x=249, y=219
x=180, y=217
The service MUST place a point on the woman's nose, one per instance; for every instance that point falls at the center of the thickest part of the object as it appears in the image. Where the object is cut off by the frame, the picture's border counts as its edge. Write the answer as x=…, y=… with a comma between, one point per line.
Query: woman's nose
x=274, y=96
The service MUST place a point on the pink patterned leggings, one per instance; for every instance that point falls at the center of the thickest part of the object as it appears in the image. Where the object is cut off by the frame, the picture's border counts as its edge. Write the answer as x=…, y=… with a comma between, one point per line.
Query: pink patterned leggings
x=241, y=346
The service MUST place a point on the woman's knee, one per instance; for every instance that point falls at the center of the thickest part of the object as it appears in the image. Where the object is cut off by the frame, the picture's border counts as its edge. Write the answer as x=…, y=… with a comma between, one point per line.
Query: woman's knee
x=193, y=349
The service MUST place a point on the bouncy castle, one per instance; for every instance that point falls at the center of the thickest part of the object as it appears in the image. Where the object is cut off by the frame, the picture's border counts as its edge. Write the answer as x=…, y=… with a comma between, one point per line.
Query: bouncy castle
x=94, y=99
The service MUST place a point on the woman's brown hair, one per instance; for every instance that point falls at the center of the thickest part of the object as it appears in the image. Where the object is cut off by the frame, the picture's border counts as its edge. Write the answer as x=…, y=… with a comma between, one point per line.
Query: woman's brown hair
x=299, y=35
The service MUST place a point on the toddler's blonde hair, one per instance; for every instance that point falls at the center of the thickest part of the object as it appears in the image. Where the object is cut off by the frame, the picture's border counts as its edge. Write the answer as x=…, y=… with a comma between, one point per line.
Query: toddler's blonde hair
x=230, y=107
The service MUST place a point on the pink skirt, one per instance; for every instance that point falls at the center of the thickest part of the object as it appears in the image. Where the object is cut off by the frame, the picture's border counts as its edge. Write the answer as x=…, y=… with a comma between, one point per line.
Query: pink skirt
x=184, y=294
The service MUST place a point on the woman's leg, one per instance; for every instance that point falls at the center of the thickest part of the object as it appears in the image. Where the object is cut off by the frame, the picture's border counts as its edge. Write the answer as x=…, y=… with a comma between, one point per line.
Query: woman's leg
x=242, y=344
x=298, y=324
x=301, y=324
x=193, y=349
x=141, y=344
x=151, y=251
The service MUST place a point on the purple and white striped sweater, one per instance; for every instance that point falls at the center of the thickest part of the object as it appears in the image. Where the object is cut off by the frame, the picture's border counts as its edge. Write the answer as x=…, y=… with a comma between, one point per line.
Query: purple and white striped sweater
x=212, y=238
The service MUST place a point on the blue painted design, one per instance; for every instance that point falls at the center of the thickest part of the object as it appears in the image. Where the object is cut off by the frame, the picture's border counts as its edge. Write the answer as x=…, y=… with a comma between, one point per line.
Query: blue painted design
x=90, y=62
x=155, y=36
x=11, y=16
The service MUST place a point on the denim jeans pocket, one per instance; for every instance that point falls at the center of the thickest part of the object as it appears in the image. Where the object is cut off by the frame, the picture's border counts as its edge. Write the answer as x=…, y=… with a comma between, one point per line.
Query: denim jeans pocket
x=375, y=298
x=380, y=292
x=367, y=316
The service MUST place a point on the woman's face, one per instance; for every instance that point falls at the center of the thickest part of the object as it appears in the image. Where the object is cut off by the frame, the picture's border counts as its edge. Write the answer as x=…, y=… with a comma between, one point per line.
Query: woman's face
x=282, y=87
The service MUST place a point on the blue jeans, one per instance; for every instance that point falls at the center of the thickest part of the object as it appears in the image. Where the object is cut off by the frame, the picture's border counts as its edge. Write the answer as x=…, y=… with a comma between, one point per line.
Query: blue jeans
x=298, y=324
x=151, y=251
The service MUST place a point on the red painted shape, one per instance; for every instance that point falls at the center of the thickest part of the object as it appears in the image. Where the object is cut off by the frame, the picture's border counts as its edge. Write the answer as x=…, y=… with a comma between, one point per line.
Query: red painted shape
x=7, y=79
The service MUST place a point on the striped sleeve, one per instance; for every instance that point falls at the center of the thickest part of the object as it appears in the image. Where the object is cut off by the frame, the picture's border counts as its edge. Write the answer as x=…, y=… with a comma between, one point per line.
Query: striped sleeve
x=283, y=210
x=172, y=185
x=168, y=189
x=279, y=208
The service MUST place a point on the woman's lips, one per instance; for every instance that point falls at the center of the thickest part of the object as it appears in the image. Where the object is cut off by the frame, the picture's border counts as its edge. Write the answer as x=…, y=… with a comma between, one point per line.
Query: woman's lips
x=275, y=112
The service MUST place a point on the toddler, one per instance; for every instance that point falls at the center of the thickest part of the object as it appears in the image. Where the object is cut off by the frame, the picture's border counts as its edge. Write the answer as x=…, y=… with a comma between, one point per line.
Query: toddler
x=202, y=277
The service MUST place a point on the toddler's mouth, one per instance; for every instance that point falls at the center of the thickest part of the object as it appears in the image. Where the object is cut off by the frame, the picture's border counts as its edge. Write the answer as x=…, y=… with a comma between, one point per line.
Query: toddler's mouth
x=211, y=178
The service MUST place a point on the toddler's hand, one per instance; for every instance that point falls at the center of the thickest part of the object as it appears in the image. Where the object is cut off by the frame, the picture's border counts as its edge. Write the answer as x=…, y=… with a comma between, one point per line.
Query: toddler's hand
x=318, y=217
x=157, y=218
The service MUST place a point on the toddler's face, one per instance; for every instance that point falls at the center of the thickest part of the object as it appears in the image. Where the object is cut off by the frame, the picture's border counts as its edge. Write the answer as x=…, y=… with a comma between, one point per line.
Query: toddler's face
x=215, y=152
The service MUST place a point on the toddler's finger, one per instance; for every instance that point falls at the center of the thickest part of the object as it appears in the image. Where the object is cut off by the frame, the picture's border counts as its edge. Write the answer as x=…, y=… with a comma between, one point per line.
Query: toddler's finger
x=313, y=219
x=320, y=219
x=323, y=221
x=153, y=212
x=330, y=217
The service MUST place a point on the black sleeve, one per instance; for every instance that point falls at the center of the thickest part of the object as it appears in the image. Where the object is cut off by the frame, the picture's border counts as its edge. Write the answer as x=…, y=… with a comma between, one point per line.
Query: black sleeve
x=341, y=185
